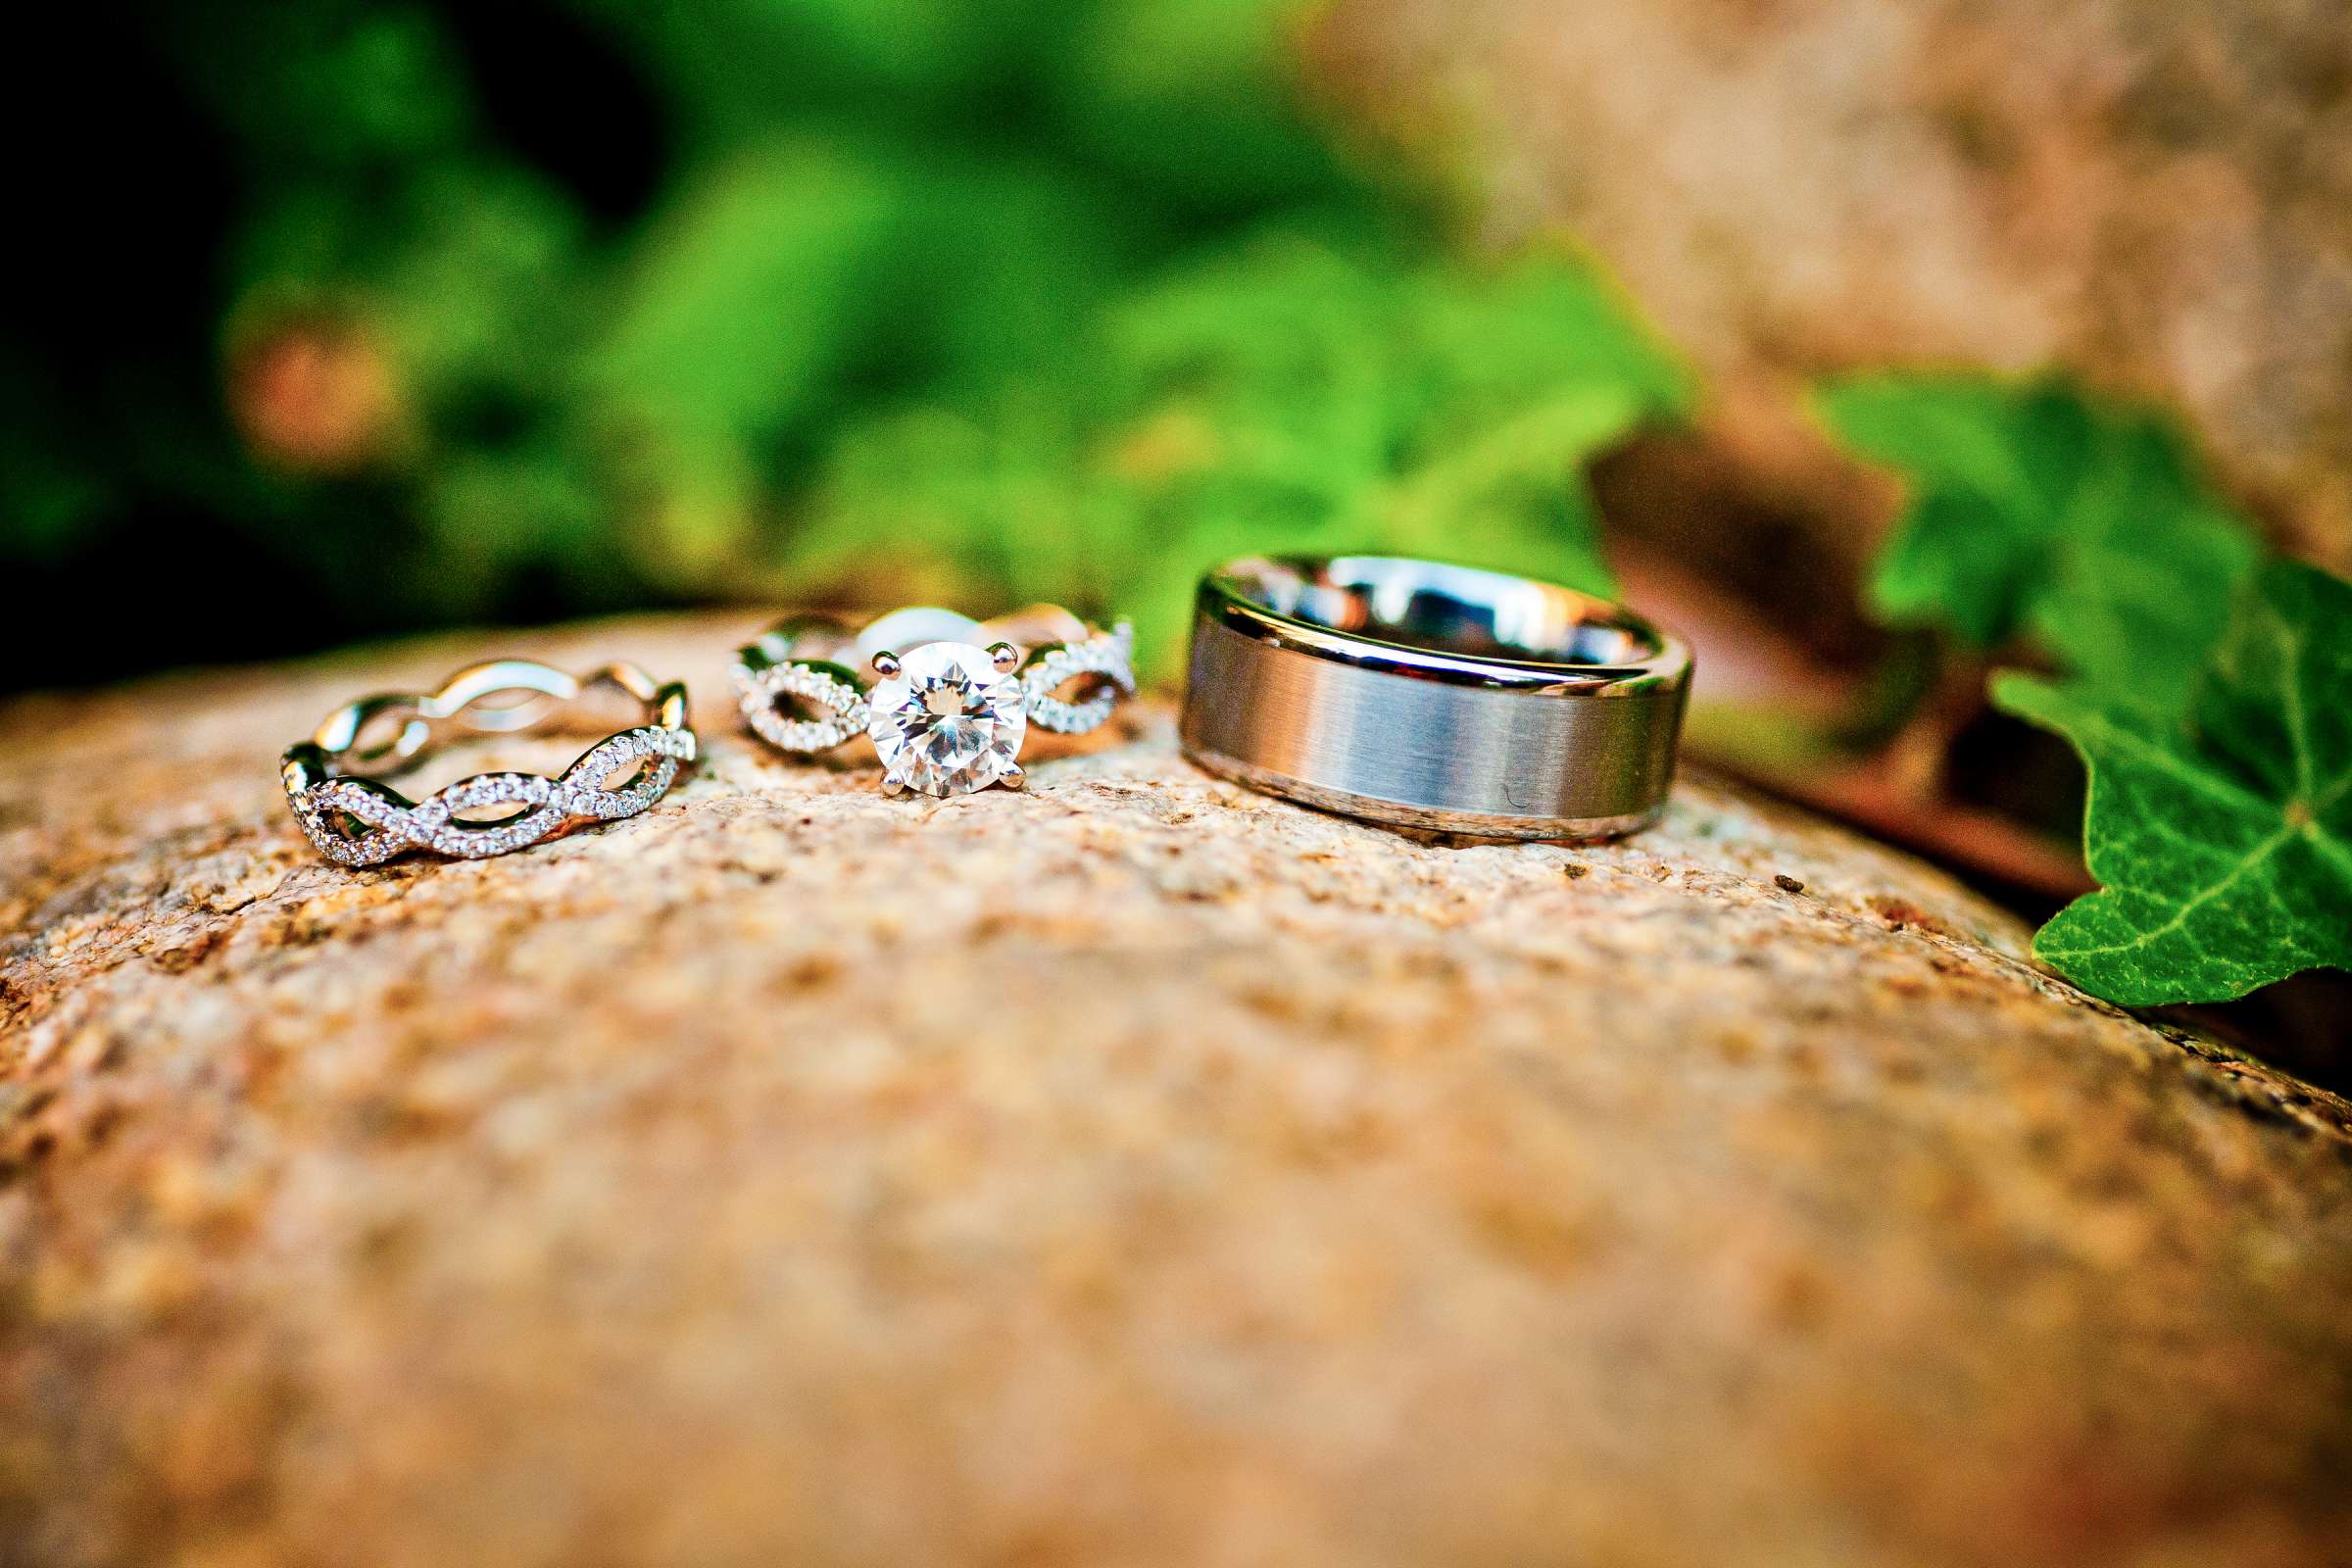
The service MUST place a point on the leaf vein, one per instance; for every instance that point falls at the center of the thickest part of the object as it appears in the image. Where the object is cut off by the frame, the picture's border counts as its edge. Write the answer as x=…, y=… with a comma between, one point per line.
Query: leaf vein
x=2188, y=906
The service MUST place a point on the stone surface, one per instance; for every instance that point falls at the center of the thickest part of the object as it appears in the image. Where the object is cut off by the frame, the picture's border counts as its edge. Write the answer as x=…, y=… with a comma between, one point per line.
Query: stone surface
x=1312, y=1194
x=2157, y=194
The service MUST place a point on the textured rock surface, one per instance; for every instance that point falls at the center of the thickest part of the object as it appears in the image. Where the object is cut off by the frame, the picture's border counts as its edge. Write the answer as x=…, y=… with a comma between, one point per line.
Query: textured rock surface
x=1296, y=1191
x=2159, y=194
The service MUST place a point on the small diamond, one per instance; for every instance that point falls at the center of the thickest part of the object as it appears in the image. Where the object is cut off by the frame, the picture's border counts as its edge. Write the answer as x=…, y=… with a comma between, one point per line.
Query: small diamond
x=1109, y=655
x=380, y=825
x=949, y=721
x=842, y=707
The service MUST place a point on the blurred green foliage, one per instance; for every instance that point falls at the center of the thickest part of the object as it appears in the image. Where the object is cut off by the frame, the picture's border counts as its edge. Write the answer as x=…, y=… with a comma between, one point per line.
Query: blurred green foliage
x=1040, y=298
x=2034, y=512
x=1287, y=393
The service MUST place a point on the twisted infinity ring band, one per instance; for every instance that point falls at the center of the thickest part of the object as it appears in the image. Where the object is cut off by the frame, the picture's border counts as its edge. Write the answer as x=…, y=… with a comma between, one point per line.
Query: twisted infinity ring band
x=1434, y=696
x=355, y=820
x=955, y=697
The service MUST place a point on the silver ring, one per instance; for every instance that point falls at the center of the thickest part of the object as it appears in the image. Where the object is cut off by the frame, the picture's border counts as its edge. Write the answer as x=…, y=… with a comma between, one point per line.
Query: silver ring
x=955, y=698
x=355, y=820
x=1434, y=696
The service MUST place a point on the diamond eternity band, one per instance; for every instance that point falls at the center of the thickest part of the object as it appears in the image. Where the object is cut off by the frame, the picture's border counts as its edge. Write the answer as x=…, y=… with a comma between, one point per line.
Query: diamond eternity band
x=359, y=820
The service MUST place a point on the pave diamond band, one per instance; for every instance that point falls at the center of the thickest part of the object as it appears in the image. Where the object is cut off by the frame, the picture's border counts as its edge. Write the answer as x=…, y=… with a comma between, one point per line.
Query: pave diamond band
x=955, y=697
x=835, y=694
x=359, y=820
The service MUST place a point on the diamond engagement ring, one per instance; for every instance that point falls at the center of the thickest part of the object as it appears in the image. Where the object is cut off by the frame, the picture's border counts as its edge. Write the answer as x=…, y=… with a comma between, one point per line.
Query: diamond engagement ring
x=355, y=820
x=1434, y=696
x=956, y=695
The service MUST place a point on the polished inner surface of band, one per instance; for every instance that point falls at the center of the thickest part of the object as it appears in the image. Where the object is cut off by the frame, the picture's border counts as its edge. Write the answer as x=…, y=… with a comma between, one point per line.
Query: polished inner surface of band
x=1433, y=695
x=1441, y=619
x=360, y=820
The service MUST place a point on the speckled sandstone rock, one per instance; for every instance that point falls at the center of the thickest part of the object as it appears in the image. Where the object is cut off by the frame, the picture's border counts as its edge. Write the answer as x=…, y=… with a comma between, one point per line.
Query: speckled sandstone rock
x=1134, y=1171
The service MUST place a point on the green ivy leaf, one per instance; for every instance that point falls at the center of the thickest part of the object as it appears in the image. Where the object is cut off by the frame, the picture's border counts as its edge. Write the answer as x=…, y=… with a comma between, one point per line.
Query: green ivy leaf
x=2224, y=840
x=2034, y=512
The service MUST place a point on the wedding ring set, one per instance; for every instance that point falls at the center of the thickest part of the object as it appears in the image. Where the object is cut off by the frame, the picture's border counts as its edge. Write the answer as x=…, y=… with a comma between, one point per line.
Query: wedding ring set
x=952, y=703
x=1399, y=690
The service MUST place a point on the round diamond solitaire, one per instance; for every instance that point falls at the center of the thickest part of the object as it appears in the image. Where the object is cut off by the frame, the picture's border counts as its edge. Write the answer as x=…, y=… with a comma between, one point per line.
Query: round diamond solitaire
x=955, y=699
x=949, y=720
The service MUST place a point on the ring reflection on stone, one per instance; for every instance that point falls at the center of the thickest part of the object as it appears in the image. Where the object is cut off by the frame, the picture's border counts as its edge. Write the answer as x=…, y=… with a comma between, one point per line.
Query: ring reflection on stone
x=953, y=699
x=355, y=820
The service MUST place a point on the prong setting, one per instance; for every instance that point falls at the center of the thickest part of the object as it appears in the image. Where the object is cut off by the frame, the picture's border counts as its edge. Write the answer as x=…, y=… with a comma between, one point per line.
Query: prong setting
x=951, y=699
x=951, y=720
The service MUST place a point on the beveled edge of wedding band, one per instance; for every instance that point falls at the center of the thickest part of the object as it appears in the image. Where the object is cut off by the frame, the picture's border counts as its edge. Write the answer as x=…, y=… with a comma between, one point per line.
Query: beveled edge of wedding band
x=1434, y=696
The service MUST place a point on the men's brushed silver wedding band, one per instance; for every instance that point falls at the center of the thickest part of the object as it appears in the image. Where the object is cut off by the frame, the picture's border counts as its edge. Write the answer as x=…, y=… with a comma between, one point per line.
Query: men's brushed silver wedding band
x=1434, y=696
